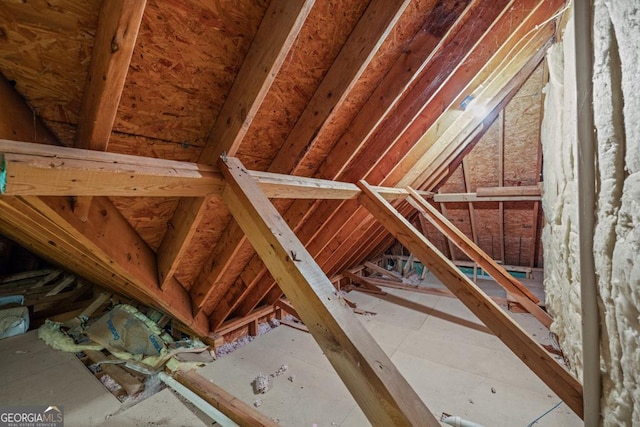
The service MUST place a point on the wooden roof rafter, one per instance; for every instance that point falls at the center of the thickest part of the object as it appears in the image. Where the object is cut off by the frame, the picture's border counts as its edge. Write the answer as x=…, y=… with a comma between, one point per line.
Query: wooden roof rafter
x=276, y=34
x=397, y=95
x=115, y=39
x=357, y=53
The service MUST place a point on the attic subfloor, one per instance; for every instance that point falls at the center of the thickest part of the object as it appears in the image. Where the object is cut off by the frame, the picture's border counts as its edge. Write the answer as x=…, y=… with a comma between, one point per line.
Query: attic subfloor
x=454, y=363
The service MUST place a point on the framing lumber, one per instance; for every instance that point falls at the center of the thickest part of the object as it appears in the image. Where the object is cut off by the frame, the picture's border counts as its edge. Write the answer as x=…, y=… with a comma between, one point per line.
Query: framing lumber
x=472, y=212
x=278, y=30
x=234, y=408
x=48, y=226
x=401, y=158
x=423, y=50
x=452, y=253
x=360, y=48
x=365, y=282
x=383, y=394
x=501, y=182
x=510, y=284
x=362, y=45
x=522, y=191
x=531, y=54
x=504, y=327
x=383, y=271
x=113, y=45
x=474, y=198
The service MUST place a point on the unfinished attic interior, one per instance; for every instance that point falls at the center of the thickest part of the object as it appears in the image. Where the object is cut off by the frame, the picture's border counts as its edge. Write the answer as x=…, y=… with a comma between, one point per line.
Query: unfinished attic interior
x=320, y=212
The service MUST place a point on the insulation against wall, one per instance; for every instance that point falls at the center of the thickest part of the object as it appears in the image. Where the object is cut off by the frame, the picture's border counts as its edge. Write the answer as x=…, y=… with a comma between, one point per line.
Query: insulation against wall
x=617, y=233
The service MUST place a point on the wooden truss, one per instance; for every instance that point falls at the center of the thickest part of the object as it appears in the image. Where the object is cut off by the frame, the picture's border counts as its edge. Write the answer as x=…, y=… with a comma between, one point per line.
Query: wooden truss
x=30, y=170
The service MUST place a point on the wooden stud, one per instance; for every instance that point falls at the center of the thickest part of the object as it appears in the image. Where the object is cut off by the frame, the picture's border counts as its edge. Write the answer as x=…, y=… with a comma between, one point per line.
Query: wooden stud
x=113, y=45
x=377, y=269
x=472, y=212
x=501, y=122
x=526, y=348
x=383, y=394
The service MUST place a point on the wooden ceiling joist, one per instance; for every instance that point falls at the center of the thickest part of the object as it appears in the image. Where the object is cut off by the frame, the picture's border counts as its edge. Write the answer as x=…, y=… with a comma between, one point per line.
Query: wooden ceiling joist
x=40, y=170
x=510, y=333
x=382, y=393
x=276, y=34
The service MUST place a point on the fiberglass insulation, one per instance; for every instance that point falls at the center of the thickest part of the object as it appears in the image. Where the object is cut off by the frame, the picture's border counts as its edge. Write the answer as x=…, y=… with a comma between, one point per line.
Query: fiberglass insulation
x=617, y=234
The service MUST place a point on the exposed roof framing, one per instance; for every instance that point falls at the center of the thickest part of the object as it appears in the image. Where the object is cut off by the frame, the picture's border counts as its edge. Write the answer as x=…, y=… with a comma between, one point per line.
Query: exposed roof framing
x=311, y=96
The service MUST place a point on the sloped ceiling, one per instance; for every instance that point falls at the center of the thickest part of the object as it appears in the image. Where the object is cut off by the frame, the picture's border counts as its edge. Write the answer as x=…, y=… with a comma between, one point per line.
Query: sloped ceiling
x=349, y=100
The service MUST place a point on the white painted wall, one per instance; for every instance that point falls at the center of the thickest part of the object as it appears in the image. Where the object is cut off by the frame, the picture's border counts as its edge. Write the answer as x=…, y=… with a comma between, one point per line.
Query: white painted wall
x=617, y=234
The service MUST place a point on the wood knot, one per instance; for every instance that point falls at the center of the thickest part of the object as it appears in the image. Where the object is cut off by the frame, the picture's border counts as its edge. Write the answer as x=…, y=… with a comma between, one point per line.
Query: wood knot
x=114, y=44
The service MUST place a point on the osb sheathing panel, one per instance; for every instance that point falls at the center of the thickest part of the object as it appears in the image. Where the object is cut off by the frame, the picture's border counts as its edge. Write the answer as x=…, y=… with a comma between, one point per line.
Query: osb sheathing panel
x=481, y=164
x=454, y=184
x=186, y=57
x=208, y=231
x=522, y=133
x=327, y=27
x=518, y=227
x=149, y=216
x=435, y=236
x=46, y=47
x=409, y=23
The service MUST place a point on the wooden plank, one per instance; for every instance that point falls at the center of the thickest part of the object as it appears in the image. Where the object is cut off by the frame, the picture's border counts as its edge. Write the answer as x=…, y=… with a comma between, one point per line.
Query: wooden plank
x=29, y=175
x=474, y=198
x=530, y=54
x=525, y=190
x=30, y=169
x=234, y=408
x=113, y=45
x=365, y=282
x=510, y=284
x=452, y=257
x=271, y=44
x=504, y=327
x=25, y=275
x=383, y=394
x=127, y=381
x=377, y=269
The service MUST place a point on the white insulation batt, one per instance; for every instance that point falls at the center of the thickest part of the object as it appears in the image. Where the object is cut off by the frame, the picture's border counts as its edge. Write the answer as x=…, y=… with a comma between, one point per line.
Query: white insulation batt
x=617, y=233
